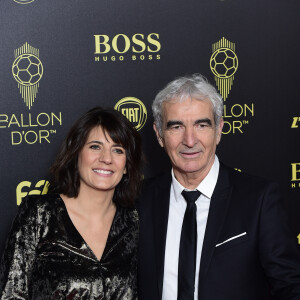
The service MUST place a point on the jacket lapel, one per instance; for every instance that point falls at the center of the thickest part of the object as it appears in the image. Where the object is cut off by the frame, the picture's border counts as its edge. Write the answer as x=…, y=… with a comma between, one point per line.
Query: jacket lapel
x=217, y=213
x=160, y=223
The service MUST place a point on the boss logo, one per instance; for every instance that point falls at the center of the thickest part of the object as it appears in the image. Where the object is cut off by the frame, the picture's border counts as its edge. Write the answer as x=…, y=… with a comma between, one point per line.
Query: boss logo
x=295, y=171
x=295, y=181
x=121, y=43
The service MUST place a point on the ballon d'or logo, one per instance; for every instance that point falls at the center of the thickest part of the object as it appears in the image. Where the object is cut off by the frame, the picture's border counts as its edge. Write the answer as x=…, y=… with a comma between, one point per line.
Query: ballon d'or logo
x=27, y=70
x=134, y=110
x=224, y=64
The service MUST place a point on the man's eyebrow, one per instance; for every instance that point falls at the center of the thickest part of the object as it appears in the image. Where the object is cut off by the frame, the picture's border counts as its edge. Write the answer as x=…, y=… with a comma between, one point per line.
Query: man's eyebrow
x=206, y=120
x=173, y=122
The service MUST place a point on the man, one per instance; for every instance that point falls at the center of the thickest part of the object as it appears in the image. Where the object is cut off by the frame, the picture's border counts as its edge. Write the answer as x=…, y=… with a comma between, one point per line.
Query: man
x=206, y=231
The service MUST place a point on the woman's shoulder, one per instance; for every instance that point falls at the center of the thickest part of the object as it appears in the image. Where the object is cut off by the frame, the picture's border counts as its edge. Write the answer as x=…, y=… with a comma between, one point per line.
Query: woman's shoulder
x=34, y=212
x=46, y=201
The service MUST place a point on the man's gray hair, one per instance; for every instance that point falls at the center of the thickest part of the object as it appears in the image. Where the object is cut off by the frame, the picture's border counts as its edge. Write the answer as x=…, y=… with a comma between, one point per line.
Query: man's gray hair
x=194, y=86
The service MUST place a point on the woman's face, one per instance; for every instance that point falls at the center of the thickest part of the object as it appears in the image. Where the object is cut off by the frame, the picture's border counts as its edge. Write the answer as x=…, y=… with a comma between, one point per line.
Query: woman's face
x=101, y=162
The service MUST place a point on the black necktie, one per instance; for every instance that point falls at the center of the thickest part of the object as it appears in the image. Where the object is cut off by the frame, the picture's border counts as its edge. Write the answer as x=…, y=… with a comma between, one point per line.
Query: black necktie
x=188, y=248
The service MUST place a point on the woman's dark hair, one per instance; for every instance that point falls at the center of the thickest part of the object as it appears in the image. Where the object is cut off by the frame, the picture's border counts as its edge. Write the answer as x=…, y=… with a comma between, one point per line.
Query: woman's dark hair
x=65, y=173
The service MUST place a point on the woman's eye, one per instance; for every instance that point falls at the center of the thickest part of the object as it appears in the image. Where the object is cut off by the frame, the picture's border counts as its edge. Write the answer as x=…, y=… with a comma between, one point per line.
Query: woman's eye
x=94, y=147
x=118, y=150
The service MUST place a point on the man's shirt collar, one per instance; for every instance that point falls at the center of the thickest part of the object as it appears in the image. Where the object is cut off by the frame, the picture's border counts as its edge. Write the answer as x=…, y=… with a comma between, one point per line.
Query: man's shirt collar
x=206, y=186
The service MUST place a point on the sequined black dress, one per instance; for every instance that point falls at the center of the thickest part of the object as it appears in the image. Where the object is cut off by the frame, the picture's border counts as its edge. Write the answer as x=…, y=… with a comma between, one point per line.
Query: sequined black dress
x=46, y=257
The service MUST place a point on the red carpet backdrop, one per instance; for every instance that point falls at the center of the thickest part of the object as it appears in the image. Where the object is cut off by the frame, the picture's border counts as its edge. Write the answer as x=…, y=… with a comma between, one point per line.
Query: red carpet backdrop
x=59, y=59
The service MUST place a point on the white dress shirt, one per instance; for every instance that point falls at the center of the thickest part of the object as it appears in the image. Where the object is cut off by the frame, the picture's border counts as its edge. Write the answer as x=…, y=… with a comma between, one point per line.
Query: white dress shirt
x=176, y=214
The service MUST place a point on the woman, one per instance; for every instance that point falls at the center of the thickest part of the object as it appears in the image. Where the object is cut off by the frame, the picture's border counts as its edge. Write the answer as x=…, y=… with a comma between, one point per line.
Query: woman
x=80, y=241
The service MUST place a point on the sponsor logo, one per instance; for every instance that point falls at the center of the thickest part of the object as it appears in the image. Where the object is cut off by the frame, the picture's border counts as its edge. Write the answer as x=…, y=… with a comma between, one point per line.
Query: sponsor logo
x=27, y=70
x=134, y=110
x=224, y=64
x=23, y=1
x=295, y=175
x=121, y=47
x=236, y=117
x=24, y=188
x=296, y=122
x=29, y=128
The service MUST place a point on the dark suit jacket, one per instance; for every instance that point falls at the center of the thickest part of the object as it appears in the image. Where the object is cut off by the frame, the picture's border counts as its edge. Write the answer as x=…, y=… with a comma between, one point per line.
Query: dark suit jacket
x=265, y=261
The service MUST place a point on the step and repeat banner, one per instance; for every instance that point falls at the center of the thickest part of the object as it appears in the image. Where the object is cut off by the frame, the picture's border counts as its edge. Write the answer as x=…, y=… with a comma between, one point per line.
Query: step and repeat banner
x=60, y=58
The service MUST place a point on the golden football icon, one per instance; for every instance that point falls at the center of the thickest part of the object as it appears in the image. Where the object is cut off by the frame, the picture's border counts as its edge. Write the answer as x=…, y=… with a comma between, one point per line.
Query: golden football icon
x=223, y=63
x=27, y=69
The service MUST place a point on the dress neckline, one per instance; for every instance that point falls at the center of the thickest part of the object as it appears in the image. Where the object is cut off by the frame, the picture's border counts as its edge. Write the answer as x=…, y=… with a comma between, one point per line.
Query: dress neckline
x=69, y=220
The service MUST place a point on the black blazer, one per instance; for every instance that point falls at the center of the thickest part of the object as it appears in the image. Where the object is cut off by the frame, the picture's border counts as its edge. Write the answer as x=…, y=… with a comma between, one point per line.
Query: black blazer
x=263, y=262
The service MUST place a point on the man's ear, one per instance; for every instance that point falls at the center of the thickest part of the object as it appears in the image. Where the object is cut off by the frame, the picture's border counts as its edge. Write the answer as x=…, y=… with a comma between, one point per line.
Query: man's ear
x=219, y=130
x=159, y=138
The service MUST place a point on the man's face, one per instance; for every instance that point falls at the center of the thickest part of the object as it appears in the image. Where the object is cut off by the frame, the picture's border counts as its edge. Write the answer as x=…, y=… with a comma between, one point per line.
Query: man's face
x=190, y=136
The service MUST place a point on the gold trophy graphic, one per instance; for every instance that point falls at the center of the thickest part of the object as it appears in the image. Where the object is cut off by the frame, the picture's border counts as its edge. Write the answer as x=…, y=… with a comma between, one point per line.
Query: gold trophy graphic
x=224, y=64
x=27, y=70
